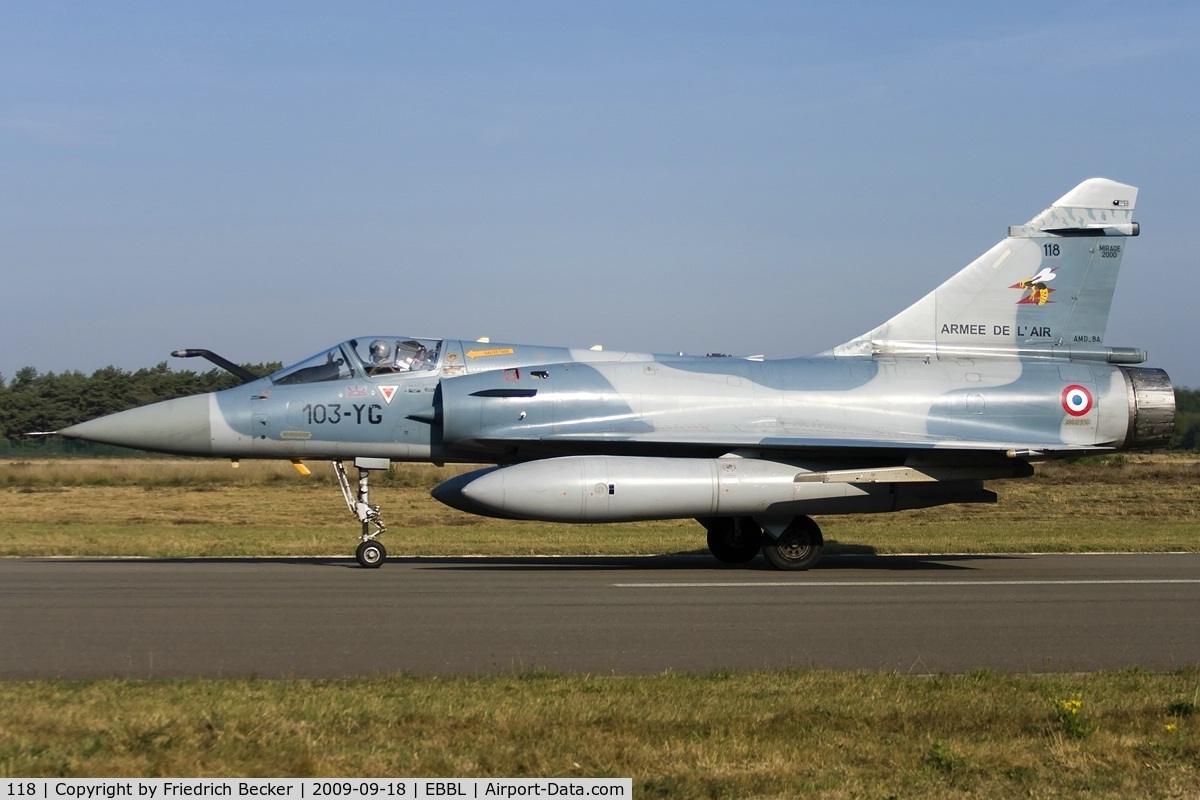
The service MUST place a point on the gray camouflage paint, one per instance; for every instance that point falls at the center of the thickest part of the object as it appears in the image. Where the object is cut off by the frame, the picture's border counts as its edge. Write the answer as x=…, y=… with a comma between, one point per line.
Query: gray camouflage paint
x=1005, y=360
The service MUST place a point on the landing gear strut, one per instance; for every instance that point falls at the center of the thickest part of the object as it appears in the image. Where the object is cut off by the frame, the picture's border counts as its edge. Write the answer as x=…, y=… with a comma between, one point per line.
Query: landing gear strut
x=371, y=553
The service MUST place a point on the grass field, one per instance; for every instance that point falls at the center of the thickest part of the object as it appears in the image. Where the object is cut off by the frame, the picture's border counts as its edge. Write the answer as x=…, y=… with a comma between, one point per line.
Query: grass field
x=765, y=734
x=181, y=508
x=728, y=735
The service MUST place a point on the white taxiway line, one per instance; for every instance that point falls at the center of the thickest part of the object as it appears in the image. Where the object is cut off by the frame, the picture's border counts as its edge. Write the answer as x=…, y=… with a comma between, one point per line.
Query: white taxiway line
x=867, y=584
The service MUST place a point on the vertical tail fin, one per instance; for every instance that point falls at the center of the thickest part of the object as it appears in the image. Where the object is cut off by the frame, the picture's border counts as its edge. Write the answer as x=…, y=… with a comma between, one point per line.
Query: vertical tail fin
x=1044, y=291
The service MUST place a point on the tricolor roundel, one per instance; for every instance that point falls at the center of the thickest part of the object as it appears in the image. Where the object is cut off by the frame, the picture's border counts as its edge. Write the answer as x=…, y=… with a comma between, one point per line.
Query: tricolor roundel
x=1076, y=400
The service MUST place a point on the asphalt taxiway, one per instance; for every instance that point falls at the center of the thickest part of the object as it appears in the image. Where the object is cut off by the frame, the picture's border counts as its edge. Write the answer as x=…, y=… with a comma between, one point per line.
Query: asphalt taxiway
x=328, y=617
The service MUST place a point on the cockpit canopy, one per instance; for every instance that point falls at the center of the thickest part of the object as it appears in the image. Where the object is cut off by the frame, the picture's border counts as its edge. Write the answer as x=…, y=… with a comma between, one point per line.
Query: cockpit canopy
x=367, y=356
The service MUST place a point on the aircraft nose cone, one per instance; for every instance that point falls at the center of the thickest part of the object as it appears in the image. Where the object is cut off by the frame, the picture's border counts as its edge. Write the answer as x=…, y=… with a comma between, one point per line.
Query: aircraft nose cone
x=179, y=426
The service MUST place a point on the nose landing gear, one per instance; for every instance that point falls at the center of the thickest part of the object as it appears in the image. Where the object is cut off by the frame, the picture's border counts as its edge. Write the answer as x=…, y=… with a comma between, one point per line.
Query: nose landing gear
x=371, y=552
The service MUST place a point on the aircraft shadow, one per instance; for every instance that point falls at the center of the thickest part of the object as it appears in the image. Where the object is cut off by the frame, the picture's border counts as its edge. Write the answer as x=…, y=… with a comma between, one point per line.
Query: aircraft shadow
x=698, y=562
x=692, y=561
x=341, y=562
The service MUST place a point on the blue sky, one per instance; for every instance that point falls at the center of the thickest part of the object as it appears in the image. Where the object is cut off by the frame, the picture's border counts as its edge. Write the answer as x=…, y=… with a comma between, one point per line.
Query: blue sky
x=264, y=179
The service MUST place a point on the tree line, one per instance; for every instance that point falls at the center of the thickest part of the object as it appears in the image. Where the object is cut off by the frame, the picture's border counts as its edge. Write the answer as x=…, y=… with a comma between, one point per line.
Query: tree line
x=1187, y=420
x=34, y=401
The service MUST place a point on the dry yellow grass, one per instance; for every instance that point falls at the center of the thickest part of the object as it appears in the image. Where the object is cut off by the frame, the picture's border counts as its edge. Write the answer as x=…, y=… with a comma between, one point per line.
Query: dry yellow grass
x=188, y=507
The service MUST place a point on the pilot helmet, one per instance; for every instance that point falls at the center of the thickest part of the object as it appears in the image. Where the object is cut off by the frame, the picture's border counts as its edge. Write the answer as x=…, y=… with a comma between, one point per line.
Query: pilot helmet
x=380, y=350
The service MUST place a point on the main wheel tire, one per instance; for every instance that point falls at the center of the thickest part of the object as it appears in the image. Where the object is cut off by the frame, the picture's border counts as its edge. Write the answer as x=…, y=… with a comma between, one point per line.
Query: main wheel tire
x=371, y=554
x=734, y=540
x=797, y=548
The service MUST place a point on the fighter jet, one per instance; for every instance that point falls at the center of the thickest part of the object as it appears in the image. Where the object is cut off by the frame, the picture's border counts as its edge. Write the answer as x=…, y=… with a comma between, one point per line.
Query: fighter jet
x=1004, y=364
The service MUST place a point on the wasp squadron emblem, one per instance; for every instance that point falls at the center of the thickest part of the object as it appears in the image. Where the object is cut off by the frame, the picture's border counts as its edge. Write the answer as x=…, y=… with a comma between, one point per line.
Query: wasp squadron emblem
x=1039, y=292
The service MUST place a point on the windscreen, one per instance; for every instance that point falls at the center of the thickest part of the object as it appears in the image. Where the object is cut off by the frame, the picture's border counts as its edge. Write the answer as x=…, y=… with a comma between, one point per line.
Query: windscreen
x=328, y=365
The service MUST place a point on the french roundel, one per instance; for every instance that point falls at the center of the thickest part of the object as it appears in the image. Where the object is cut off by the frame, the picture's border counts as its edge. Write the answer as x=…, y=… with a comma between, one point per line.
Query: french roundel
x=1076, y=400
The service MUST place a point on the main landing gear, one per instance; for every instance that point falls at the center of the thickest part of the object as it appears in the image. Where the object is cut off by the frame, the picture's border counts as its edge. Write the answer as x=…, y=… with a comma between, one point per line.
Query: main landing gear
x=797, y=547
x=371, y=552
x=736, y=540
x=733, y=540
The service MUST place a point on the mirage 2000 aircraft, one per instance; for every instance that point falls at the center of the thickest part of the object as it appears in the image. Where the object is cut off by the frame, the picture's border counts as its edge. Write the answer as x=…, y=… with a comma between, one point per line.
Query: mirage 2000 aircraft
x=1003, y=364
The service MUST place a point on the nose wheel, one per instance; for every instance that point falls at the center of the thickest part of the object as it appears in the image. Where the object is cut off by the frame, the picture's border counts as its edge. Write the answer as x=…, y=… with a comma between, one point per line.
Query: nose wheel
x=371, y=552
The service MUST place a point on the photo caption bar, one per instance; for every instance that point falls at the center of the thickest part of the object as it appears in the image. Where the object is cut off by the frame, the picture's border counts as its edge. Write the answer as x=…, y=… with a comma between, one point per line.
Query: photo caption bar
x=309, y=788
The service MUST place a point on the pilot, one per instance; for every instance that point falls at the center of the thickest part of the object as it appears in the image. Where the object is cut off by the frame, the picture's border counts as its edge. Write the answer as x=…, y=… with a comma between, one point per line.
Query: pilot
x=380, y=353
